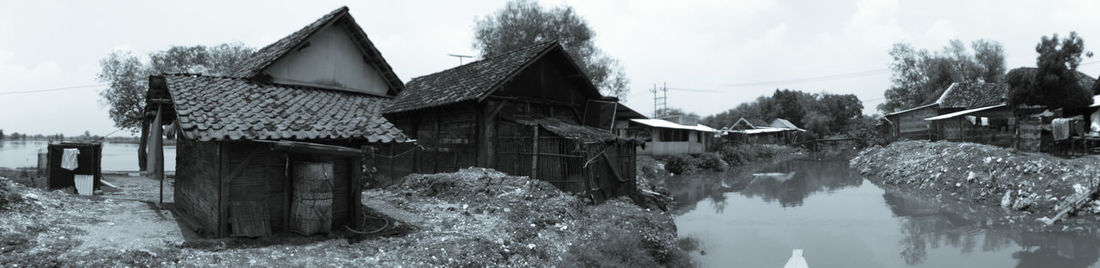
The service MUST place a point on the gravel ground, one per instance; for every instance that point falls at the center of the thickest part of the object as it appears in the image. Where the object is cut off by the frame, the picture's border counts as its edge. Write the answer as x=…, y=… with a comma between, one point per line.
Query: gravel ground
x=474, y=217
x=1032, y=183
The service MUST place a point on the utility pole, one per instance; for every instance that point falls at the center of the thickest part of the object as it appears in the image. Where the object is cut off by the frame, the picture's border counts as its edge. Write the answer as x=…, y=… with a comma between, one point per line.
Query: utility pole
x=660, y=100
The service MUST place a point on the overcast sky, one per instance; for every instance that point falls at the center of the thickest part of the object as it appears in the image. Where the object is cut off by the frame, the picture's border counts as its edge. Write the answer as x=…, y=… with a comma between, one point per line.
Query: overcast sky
x=729, y=52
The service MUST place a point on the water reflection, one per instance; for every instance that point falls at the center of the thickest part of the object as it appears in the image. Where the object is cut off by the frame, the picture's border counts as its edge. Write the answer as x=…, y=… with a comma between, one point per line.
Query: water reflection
x=929, y=222
x=756, y=215
x=787, y=183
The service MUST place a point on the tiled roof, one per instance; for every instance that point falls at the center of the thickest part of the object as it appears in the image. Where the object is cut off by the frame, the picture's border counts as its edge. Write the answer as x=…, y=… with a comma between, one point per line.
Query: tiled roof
x=267, y=55
x=973, y=95
x=264, y=57
x=466, y=82
x=221, y=108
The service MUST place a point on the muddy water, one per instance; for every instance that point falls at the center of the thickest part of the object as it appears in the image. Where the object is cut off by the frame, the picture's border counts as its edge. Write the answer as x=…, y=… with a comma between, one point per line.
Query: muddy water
x=755, y=216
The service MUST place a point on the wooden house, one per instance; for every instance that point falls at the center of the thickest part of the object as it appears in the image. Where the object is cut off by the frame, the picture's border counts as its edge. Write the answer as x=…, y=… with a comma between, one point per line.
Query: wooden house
x=779, y=131
x=981, y=116
x=276, y=147
x=528, y=112
x=665, y=138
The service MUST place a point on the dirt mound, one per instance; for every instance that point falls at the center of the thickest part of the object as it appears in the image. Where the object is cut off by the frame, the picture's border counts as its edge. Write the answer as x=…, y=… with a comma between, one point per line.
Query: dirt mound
x=987, y=174
x=482, y=217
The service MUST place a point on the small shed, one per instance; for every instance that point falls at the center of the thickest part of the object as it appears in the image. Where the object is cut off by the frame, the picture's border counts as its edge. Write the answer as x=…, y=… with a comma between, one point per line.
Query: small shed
x=279, y=145
x=665, y=138
x=89, y=158
x=517, y=112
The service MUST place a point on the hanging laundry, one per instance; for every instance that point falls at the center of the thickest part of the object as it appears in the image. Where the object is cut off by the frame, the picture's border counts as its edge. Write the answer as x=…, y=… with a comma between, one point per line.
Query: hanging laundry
x=68, y=158
x=1095, y=126
x=1060, y=128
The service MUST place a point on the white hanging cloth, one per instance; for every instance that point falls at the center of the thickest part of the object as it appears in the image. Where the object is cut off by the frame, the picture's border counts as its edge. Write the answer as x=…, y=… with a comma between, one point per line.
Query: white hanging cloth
x=68, y=158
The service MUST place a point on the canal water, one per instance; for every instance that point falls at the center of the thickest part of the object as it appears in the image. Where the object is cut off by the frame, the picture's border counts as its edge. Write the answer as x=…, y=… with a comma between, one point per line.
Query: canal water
x=116, y=156
x=755, y=217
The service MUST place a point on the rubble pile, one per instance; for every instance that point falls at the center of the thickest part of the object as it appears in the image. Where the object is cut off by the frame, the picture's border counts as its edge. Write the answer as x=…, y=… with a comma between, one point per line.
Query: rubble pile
x=990, y=175
x=482, y=217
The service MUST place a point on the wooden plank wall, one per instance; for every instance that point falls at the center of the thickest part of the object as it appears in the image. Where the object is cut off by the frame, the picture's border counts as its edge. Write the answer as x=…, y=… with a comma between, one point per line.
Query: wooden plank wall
x=255, y=173
x=1001, y=133
x=196, y=182
x=449, y=137
x=392, y=162
x=911, y=125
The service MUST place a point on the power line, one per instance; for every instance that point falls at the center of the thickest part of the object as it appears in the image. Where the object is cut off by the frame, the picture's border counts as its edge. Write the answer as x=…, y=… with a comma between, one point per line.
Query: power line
x=695, y=90
x=50, y=89
x=811, y=79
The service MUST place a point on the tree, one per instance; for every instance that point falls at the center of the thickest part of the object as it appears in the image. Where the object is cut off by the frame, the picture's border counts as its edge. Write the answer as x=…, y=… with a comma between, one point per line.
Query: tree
x=1053, y=83
x=820, y=113
x=919, y=76
x=1, y=134
x=788, y=105
x=524, y=22
x=128, y=78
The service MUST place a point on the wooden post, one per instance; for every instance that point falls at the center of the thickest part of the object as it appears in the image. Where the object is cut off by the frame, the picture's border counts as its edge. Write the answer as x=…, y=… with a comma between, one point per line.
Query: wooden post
x=157, y=152
x=143, y=154
x=535, y=153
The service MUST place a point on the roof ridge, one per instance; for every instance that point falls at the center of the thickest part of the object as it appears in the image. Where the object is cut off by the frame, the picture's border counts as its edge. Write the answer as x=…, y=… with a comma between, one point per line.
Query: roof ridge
x=256, y=63
x=271, y=84
x=540, y=45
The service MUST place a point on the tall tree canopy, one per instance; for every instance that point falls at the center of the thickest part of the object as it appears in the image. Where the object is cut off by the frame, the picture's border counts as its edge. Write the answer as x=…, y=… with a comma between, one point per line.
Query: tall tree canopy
x=128, y=75
x=1053, y=82
x=920, y=76
x=523, y=22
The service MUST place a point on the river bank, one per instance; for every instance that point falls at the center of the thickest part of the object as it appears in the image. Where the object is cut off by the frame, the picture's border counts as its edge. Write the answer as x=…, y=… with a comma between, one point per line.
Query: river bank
x=470, y=218
x=1044, y=188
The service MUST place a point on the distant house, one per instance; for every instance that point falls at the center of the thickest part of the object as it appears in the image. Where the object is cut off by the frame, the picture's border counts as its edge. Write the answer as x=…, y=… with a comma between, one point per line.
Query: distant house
x=528, y=112
x=276, y=146
x=779, y=131
x=665, y=138
x=977, y=113
x=911, y=123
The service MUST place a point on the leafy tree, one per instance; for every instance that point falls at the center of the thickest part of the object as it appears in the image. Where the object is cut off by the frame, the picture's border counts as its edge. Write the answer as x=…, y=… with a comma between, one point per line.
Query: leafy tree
x=820, y=113
x=1, y=134
x=920, y=76
x=788, y=105
x=128, y=78
x=1053, y=83
x=524, y=22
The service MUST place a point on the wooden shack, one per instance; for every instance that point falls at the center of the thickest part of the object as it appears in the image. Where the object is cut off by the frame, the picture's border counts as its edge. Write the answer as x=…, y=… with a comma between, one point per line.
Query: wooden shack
x=528, y=112
x=89, y=162
x=277, y=147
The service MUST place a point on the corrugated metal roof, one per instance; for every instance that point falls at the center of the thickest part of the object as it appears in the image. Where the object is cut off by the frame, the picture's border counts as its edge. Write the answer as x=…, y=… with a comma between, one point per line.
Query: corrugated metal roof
x=963, y=112
x=660, y=123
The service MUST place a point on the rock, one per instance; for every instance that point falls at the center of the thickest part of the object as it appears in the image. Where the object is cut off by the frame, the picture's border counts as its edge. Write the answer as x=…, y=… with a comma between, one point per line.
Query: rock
x=1006, y=201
